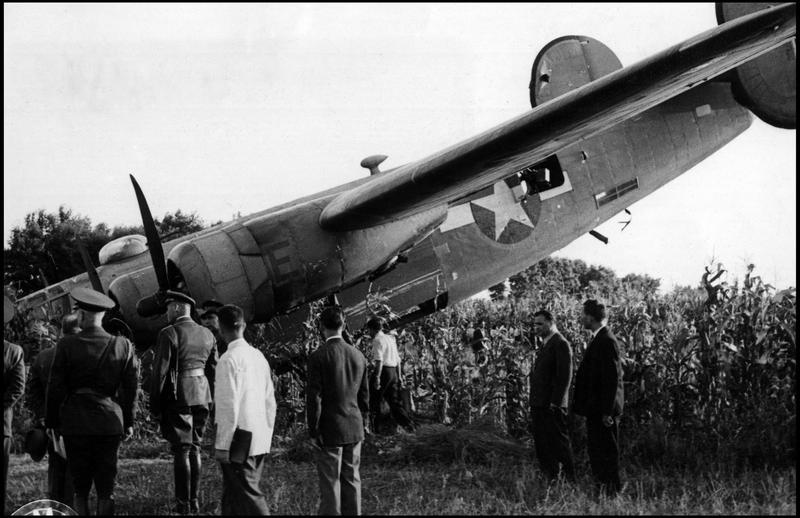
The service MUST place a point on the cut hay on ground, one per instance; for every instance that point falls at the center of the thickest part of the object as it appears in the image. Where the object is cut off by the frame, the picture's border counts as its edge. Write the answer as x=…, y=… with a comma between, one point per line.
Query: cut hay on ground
x=479, y=442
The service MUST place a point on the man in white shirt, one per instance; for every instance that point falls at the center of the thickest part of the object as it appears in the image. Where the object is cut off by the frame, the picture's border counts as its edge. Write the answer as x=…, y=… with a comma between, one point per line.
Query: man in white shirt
x=245, y=400
x=387, y=377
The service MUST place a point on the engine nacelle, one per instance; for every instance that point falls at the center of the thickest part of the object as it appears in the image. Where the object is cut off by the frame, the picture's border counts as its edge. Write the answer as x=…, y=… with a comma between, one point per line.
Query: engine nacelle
x=766, y=85
x=127, y=290
x=277, y=262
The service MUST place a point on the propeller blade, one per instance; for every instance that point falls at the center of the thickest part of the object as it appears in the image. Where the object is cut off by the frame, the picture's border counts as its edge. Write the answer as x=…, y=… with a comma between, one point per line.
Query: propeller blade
x=153, y=241
x=90, y=269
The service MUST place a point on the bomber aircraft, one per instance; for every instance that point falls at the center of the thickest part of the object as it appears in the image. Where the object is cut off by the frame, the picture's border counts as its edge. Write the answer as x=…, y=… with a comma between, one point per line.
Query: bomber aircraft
x=430, y=233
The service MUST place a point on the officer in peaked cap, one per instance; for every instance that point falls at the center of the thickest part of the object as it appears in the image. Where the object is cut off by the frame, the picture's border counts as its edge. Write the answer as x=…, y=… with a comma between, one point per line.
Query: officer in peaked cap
x=181, y=392
x=13, y=388
x=91, y=300
x=91, y=399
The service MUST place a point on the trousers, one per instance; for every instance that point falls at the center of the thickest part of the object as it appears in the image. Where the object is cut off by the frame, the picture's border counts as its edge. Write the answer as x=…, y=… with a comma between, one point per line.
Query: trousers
x=551, y=439
x=602, y=443
x=6, y=455
x=390, y=391
x=59, y=479
x=184, y=425
x=339, y=479
x=241, y=494
x=93, y=458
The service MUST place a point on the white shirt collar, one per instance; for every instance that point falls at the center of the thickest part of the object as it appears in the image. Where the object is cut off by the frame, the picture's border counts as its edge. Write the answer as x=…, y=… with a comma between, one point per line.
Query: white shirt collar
x=236, y=343
x=594, y=333
x=332, y=337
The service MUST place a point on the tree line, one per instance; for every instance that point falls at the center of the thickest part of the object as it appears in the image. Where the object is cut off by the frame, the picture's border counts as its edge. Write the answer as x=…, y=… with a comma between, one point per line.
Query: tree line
x=44, y=249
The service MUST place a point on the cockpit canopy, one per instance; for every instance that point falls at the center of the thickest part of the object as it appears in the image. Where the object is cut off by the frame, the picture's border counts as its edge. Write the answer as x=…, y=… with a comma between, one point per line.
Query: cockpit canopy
x=123, y=248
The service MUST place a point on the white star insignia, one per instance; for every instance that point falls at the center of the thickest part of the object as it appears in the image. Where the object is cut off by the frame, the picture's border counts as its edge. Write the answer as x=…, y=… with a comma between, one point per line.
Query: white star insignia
x=505, y=207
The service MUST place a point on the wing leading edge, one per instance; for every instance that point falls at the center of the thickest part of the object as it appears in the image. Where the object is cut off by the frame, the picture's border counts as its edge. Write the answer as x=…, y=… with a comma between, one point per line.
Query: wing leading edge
x=482, y=160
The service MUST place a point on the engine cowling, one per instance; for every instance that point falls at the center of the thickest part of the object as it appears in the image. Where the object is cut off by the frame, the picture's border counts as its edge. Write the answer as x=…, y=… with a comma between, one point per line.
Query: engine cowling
x=127, y=290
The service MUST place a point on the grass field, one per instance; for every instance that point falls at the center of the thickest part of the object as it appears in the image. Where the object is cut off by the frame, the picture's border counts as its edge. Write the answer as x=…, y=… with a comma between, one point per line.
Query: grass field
x=503, y=486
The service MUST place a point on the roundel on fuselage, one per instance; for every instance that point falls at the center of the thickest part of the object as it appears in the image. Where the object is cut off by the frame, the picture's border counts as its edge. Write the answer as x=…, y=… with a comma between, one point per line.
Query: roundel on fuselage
x=567, y=63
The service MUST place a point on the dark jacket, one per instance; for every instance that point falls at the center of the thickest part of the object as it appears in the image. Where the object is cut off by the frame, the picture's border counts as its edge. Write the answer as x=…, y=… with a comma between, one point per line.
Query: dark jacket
x=598, y=382
x=93, y=384
x=37, y=384
x=183, y=346
x=552, y=373
x=337, y=393
x=13, y=382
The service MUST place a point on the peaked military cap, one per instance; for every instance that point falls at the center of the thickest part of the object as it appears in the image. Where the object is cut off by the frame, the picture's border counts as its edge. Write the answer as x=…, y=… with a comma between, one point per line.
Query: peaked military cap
x=211, y=304
x=91, y=300
x=209, y=312
x=210, y=308
x=177, y=296
x=8, y=310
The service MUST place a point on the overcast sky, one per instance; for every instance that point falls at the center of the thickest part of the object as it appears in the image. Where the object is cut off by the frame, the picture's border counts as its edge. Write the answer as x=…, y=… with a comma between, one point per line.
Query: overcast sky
x=221, y=109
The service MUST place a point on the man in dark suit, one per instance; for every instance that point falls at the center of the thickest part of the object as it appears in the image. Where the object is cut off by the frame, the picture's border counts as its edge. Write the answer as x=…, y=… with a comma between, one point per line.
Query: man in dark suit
x=13, y=388
x=337, y=399
x=59, y=481
x=91, y=400
x=181, y=390
x=600, y=398
x=550, y=379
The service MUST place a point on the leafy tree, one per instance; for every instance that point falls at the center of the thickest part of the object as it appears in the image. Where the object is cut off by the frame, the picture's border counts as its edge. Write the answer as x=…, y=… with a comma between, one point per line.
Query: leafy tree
x=44, y=250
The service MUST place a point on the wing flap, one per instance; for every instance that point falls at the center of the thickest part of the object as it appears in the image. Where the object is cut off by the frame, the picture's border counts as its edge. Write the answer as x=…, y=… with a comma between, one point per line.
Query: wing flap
x=482, y=160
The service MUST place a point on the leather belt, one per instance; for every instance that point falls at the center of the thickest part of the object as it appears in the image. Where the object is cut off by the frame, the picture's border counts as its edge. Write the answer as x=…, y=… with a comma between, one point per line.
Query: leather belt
x=191, y=373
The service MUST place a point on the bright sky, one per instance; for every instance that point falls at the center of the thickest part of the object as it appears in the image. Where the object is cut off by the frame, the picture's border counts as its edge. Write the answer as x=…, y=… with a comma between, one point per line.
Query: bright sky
x=222, y=109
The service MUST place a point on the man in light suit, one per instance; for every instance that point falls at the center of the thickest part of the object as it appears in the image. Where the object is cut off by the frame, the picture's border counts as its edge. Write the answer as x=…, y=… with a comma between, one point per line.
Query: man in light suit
x=600, y=398
x=245, y=402
x=337, y=399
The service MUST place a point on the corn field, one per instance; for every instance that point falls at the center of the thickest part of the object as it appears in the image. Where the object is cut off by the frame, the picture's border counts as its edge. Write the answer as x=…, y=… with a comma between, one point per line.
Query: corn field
x=710, y=374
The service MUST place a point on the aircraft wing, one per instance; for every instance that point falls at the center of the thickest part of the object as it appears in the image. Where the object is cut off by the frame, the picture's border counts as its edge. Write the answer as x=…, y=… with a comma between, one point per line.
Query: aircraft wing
x=495, y=154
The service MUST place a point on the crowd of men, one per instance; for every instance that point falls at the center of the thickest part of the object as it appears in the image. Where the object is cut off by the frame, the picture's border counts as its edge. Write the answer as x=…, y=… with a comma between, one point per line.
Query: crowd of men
x=83, y=394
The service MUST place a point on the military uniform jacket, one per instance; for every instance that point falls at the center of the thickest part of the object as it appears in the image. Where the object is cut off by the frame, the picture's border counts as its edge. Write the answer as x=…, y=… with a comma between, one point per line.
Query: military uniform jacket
x=552, y=373
x=598, y=382
x=183, y=350
x=93, y=384
x=337, y=393
x=13, y=382
x=37, y=386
